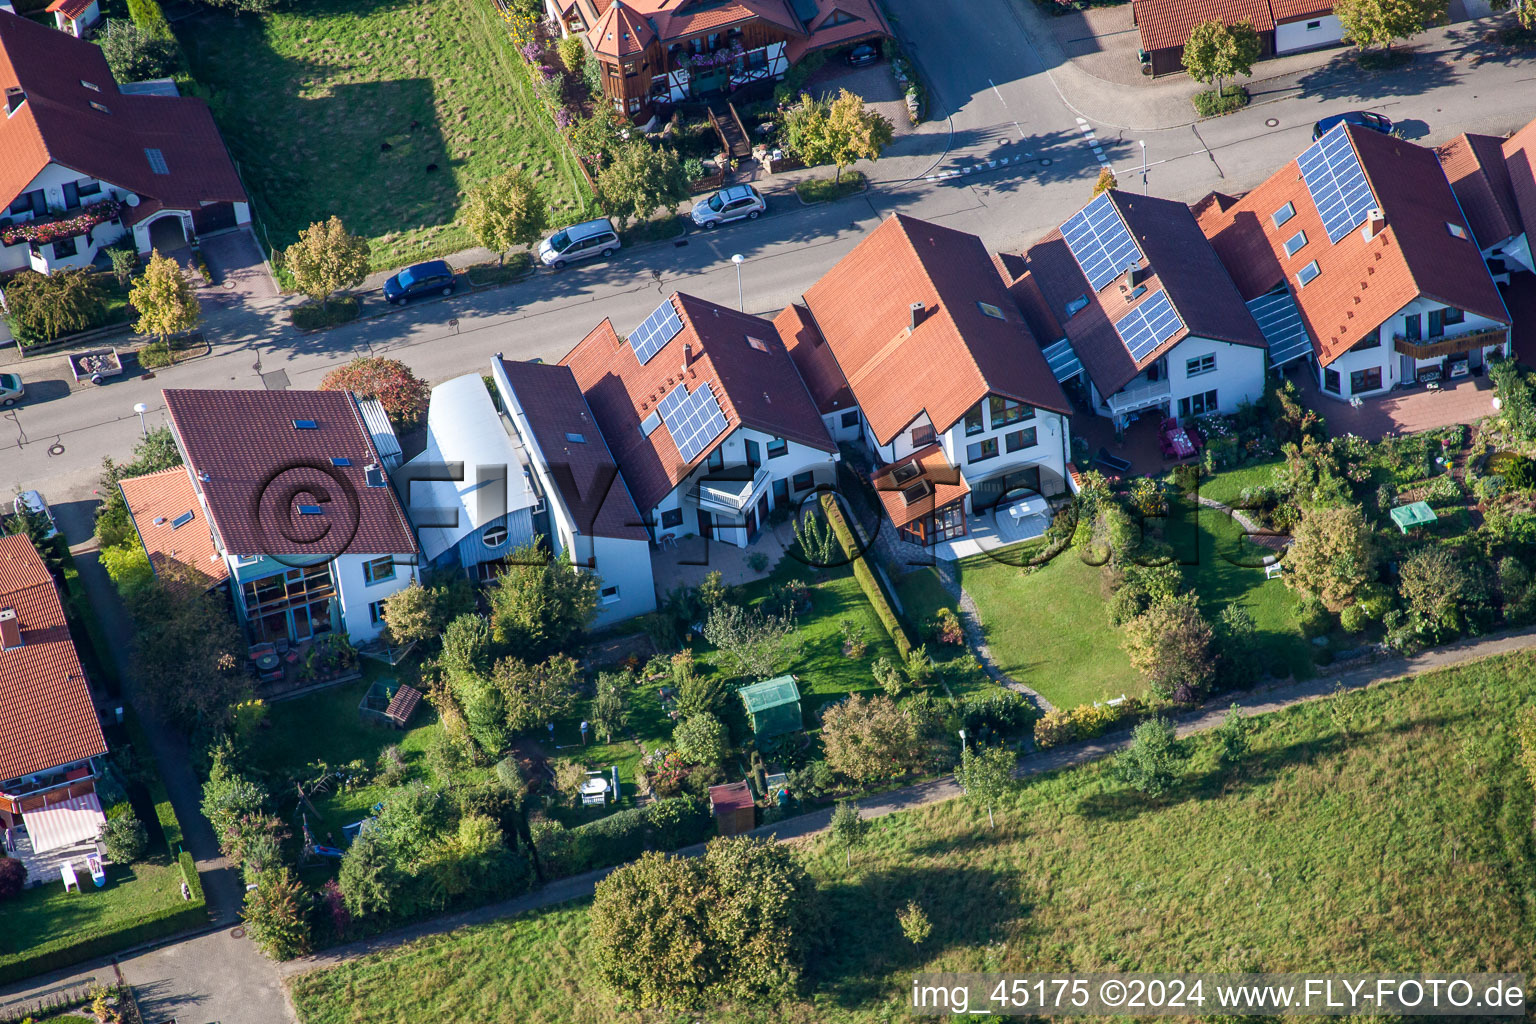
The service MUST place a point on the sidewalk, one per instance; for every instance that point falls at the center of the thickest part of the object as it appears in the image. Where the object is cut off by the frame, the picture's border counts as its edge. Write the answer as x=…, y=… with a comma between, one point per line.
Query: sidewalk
x=1202, y=719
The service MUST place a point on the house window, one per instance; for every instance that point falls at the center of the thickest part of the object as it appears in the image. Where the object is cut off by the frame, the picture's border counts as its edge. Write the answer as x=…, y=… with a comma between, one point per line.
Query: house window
x=88, y=188
x=1453, y=316
x=494, y=536
x=634, y=104
x=1198, y=405
x=716, y=460
x=1331, y=381
x=71, y=195
x=1202, y=364
x=973, y=423
x=375, y=613
x=1413, y=326
x=838, y=18
x=1295, y=242
x=1005, y=411
x=1437, y=323
x=1313, y=26
x=1369, y=341
x=981, y=451
x=778, y=446
x=100, y=106
x=923, y=436
x=378, y=570
x=1018, y=440
x=1076, y=306
x=64, y=248
x=804, y=481
x=157, y=161
x=1283, y=214
x=1305, y=275
x=991, y=310
x=1365, y=380
x=1456, y=230
x=851, y=418
x=36, y=201
x=610, y=595
x=90, y=85
x=671, y=517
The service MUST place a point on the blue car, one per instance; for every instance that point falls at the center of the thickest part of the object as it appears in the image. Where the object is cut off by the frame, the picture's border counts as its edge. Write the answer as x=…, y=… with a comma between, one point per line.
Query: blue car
x=431, y=278
x=1362, y=118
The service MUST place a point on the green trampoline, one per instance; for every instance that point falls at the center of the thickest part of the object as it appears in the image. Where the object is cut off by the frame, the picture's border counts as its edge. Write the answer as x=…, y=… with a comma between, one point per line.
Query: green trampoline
x=1417, y=514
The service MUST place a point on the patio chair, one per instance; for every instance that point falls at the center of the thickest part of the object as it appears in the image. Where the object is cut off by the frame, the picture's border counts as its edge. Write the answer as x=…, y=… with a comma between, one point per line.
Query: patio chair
x=257, y=650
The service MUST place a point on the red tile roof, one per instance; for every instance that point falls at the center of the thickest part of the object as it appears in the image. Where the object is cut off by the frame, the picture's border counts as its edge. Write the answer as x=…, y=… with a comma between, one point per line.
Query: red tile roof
x=1166, y=24
x=940, y=484
x=46, y=715
x=155, y=501
x=404, y=704
x=71, y=9
x=760, y=389
x=1296, y=10
x=621, y=32
x=259, y=469
x=868, y=23
x=817, y=366
x=1361, y=283
x=57, y=124
x=1475, y=166
x=861, y=307
x=1520, y=164
x=1179, y=262
x=585, y=473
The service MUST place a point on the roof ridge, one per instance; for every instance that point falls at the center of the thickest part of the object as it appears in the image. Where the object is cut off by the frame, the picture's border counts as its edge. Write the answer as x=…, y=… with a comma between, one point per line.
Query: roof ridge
x=943, y=306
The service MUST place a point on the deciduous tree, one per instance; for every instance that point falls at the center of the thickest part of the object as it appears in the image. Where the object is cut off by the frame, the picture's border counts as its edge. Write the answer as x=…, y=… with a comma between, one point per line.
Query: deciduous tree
x=838, y=132
x=402, y=394
x=757, y=643
x=541, y=605
x=186, y=650
x=508, y=210
x=370, y=882
x=276, y=914
x=538, y=693
x=1107, y=181
x=1170, y=645
x=986, y=775
x=1382, y=22
x=135, y=55
x=327, y=257
x=1442, y=588
x=610, y=707
x=869, y=738
x=1234, y=732
x=124, y=837
x=1216, y=51
x=640, y=179
x=163, y=296
x=43, y=306
x=1150, y=763
x=848, y=828
x=702, y=739
x=1333, y=555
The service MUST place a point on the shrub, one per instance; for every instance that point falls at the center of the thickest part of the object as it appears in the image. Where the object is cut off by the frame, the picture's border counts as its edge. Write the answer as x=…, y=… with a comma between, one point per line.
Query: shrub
x=135, y=55
x=125, y=838
x=914, y=923
x=148, y=16
x=947, y=628
x=276, y=915
x=1354, y=619
x=823, y=190
x=1054, y=728
x=1150, y=763
x=13, y=876
x=867, y=739
x=572, y=53
x=865, y=576
x=621, y=836
x=1170, y=644
x=44, y=306
x=1209, y=104
x=155, y=355
x=318, y=316
x=1000, y=711
x=1312, y=617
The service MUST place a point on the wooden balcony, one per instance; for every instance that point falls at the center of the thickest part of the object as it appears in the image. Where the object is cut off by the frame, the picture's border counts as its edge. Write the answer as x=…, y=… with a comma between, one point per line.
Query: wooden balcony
x=1434, y=348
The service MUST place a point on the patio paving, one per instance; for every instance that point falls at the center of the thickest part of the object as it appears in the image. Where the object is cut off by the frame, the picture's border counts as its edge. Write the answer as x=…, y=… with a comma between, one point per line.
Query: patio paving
x=1139, y=447
x=1403, y=411
x=694, y=558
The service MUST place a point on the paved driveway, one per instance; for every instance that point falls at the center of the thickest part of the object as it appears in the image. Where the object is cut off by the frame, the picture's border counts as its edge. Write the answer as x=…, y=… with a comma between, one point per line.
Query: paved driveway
x=237, y=265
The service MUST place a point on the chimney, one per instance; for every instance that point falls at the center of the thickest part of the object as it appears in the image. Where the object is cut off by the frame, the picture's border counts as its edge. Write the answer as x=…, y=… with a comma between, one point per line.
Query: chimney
x=14, y=97
x=687, y=355
x=917, y=315
x=1375, y=223
x=10, y=630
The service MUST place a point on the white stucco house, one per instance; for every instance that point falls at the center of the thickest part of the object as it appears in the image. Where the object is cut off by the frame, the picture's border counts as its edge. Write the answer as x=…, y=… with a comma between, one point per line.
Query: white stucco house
x=285, y=495
x=707, y=418
x=912, y=348
x=1495, y=182
x=1361, y=248
x=87, y=165
x=77, y=17
x=584, y=505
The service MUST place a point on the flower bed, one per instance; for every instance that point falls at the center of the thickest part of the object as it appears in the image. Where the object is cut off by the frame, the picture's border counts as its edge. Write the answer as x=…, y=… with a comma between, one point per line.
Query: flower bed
x=44, y=230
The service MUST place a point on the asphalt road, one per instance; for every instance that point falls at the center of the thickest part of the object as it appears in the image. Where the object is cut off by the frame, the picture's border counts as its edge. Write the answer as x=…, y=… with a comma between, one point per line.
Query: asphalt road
x=1006, y=94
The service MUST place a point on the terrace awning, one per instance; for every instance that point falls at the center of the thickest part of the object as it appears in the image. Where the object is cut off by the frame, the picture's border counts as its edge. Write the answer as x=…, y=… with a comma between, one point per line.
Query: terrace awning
x=66, y=823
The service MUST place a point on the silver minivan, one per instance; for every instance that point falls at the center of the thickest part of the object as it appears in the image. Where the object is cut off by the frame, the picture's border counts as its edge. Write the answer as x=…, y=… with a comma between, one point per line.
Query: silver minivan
x=578, y=242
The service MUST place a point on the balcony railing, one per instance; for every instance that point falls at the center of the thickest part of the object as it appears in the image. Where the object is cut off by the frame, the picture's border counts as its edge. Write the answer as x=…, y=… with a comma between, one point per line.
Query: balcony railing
x=1139, y=396
x=729, y=495
x=1451, y=344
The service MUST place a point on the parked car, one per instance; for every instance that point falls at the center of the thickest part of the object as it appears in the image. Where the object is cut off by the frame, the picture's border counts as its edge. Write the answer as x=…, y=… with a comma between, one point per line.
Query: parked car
x=432, y=277
x=33, y=502
x=579, y=242
x=11, y=389
x=1363, y=118
x=863, y=54
x=729, y=204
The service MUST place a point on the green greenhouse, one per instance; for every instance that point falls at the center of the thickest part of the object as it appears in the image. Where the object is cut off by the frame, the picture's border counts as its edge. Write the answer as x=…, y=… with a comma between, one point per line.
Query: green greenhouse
x=773, y=706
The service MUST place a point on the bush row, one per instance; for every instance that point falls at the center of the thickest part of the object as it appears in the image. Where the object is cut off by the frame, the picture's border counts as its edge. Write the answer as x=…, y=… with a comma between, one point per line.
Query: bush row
x=148, y=16
x=72, y=948
x=1084, y=722
x=865, y=574
x=621, y=837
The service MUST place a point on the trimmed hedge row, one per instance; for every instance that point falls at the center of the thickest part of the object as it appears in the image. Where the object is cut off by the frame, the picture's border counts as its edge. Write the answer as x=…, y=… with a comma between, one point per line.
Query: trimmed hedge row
x=621, y=837
x=868, y=581
x=150, y=18
x=164, y=812
x=70, y=949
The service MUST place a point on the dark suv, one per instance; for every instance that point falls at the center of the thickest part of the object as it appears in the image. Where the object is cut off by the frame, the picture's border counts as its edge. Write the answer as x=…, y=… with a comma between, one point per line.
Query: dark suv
x=1363, y=118
x=433, y=277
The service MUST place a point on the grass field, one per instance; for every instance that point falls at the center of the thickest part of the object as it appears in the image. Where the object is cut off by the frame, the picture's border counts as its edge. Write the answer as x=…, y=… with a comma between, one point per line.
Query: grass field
x=1381, y=831
x=341, y=106
x=133, y=893
x=1050, y=630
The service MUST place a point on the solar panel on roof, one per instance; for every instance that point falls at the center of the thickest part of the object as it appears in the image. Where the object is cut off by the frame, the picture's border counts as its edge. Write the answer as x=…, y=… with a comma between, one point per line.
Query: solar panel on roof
x=659, y=328
x=696, y=423
x=1337, y=183
x=1100, y=243
x=671, y=400
x=1149, y=325
x=1280, y=322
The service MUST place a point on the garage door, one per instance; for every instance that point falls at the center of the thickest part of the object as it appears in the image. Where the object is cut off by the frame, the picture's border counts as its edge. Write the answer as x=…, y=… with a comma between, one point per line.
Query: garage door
x=214, y=217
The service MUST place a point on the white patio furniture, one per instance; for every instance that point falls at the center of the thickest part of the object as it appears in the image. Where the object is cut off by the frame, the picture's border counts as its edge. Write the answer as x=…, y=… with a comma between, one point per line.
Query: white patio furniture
x=67, y=872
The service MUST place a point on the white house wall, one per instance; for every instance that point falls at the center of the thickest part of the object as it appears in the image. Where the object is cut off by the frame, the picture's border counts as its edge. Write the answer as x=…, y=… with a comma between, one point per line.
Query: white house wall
x=354, y=595
x=1237, y=378
x=1050, y=451
x=51, y=180
x=625, y=564
x=1310, y=33
x=853, y=433
x=1386, y=357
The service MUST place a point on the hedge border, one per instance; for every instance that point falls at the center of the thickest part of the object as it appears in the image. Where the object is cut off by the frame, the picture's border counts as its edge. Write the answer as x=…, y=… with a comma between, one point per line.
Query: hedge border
x=64, y=952
x=870, y=583
x=165, y=812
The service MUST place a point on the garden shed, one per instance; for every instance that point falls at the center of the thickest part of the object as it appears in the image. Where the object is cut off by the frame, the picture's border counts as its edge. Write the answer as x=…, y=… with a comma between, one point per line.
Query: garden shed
x=732, y=806
x=1417, y=514
x=386, y=703
x=773, y=706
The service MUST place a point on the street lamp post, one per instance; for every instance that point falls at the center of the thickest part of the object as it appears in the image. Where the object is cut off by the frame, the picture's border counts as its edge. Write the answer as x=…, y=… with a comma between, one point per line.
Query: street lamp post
x=1143, y=166
x=739, y=259
x=962, y=738
x=141, y=409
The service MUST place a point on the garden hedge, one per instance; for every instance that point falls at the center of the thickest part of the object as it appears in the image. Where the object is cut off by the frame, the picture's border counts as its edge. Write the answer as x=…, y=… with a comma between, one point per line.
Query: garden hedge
x=619, y=838
x=865, y=574
x=150, y=18
x=65, y=950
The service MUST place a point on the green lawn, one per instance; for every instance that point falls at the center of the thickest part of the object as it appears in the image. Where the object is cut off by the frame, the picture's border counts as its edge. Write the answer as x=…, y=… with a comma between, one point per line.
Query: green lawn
x=1227, y=485
x=1049, y=629
x=45, y=913
x=340, y=106
x=921, y=596
x=1404, y=842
